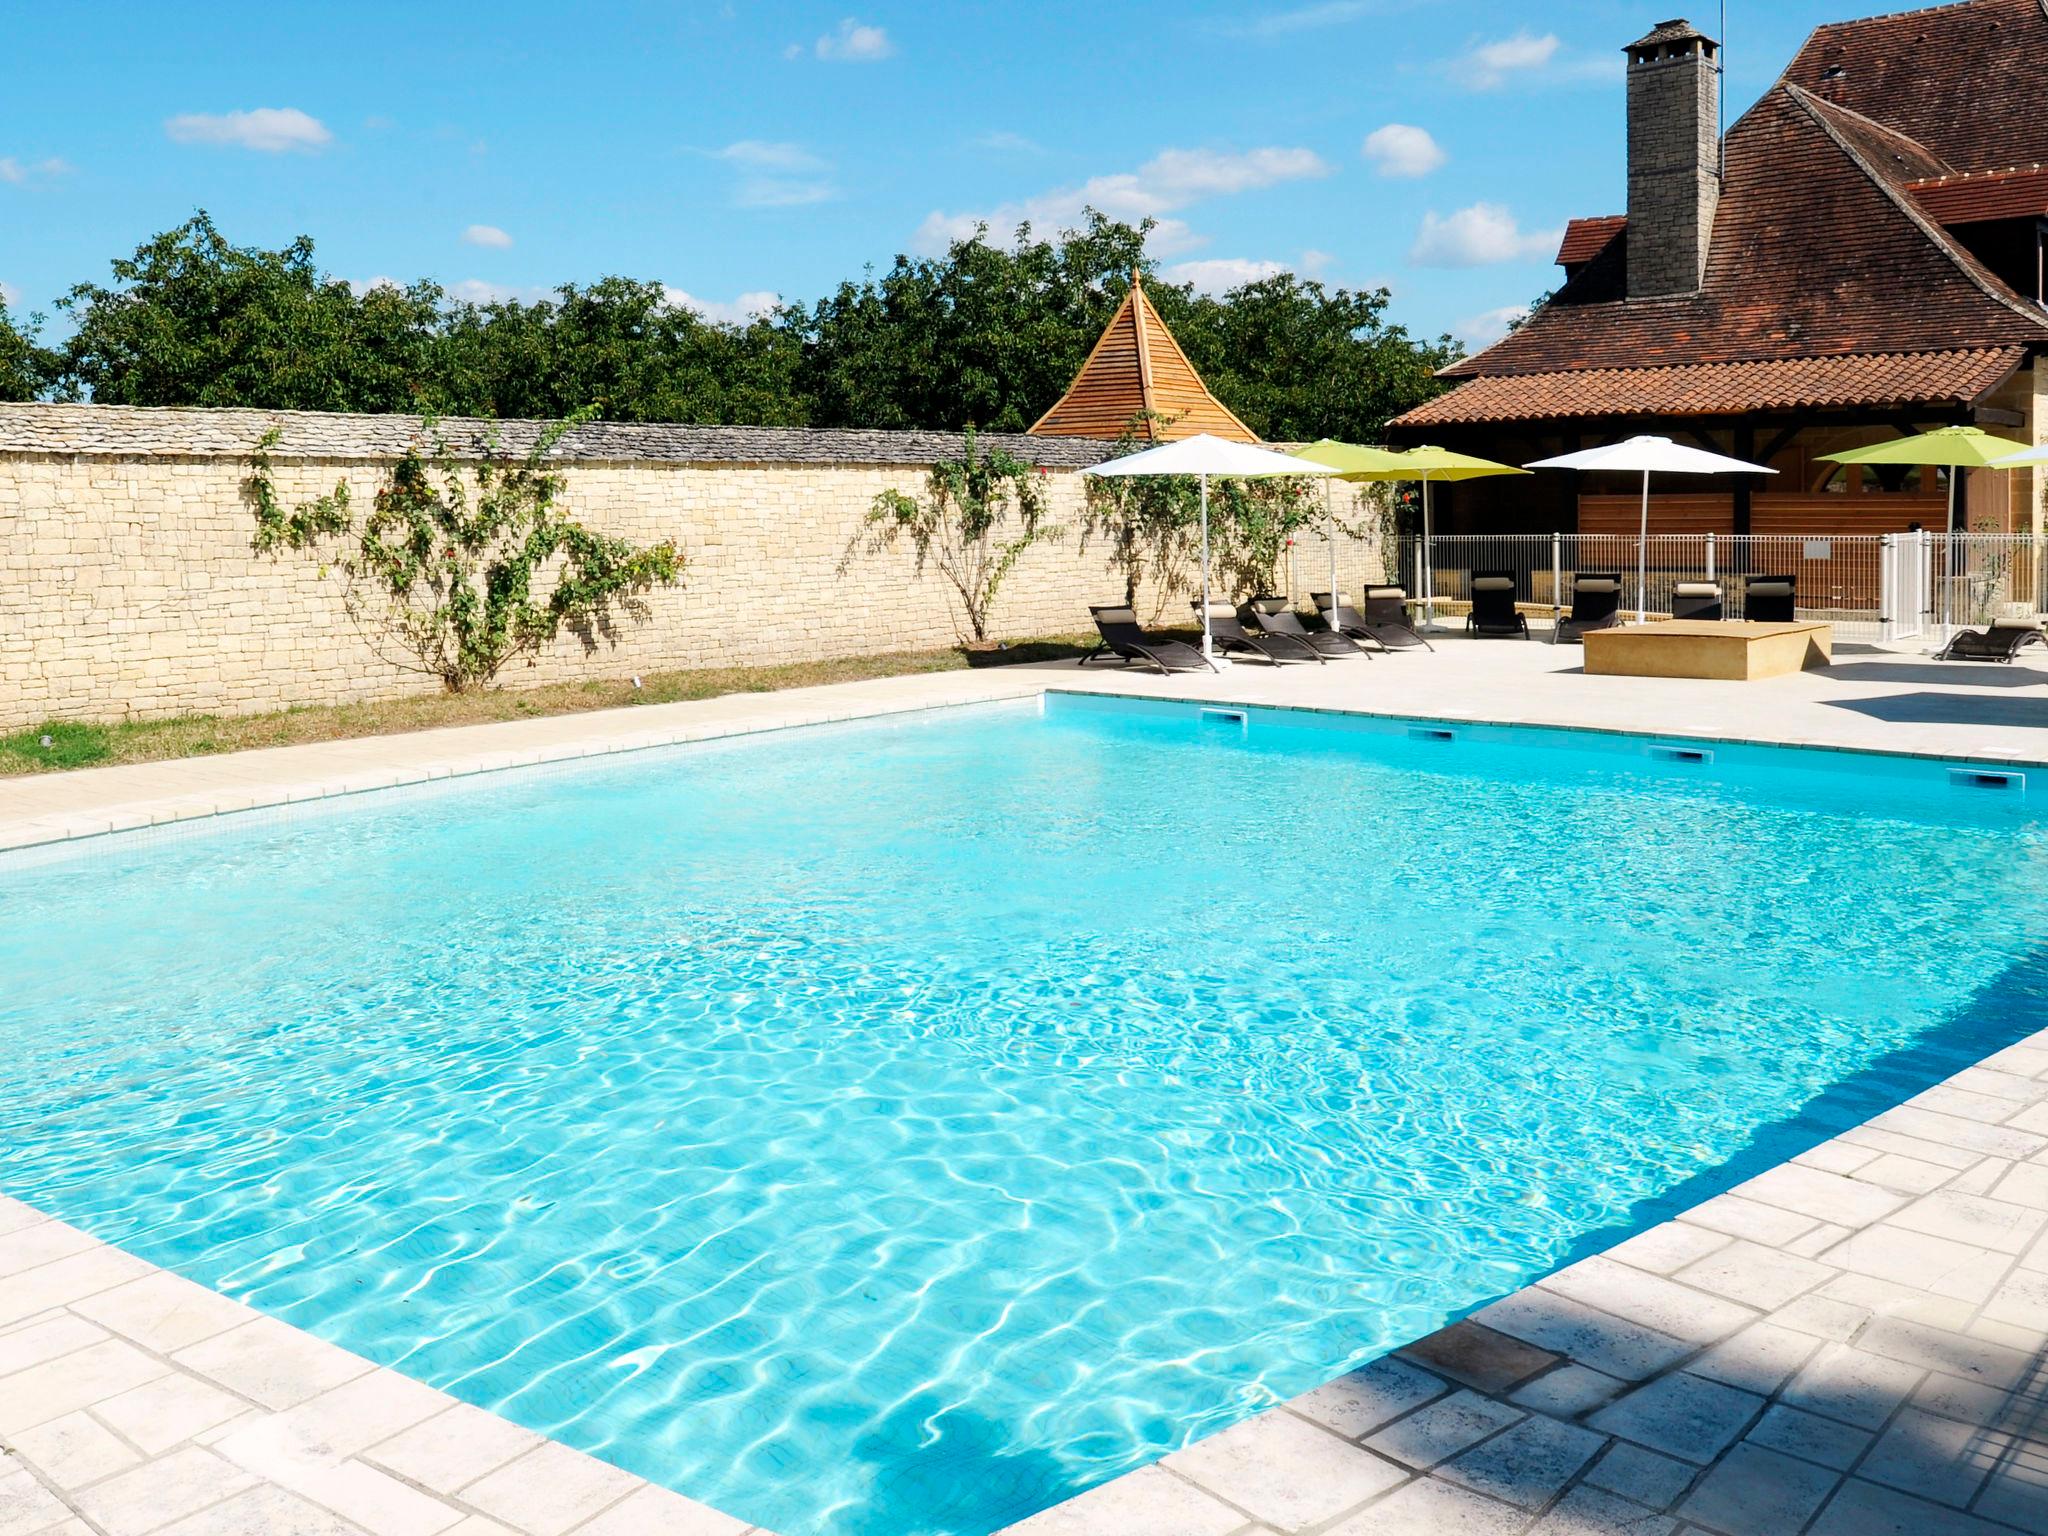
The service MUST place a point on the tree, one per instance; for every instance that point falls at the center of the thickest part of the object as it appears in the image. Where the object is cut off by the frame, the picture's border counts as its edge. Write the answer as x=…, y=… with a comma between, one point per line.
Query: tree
x=193, y=320
x=24, y=366
x=449, y=579
x=978, y=515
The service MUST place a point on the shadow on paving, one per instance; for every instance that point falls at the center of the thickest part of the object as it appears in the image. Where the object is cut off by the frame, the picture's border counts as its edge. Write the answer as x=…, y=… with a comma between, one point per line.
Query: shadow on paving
x=1953, y=709
x=1946, y=674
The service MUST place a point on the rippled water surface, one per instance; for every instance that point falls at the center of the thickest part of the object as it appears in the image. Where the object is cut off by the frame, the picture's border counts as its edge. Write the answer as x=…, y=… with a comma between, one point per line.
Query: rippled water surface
x=896, y=1128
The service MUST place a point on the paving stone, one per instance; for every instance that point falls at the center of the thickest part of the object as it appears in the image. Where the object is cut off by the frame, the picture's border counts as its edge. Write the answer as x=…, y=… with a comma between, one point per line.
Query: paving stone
x=2026, y=1340
x=1443, y=1429
x=1758, y=1359
x=1361, y=1401
x=454, y=1448
x=1650, y=1300
x=164, y=1312
x=1526, y=1464
x=1747, y=1218
x=551, y=1489
x=339, y=1422
x=1757, y=1492
x=1582, y=1333
x=74, y=1450
x=1980, y=1179
x=26, y=1505
x=1670, y=1246
x=161, y=1413
x=1984, y=1223
x=1569, y=1391
x=1933, y=1458
x=1836, y=1157
x=264, y=1511
x=77, y=1380
x=1888, y=1298
x=28, y=1247
x=1915, y=1147
x=1968, y=1402
x=1937, y=1349
x=1984, y=1079
x=657, y=1512
x=1913, y=1258
x=1589, y=1511
x=1868, y=1509
x=1822, y=1237
x=365, y=1496
x=68, y=1280
x=161, y=1491
x=1809, y=1437
x=1283, y=1470
x=1479, y=1356
x=1908, y=1175
x=1148, y=1502
x=2024, y=1184
x=1851, y=1385
x=272, y=1363
x=1681, y=1415
x=1642, y=1475
x=16, y=1214
x=1755, y=1276
x=1821, y=1196
x=1822, y=1317
x=2017, y=1493
x=1427, y=1507
x=33, y=1343
x=1950, y=1099
x=2009, y=1140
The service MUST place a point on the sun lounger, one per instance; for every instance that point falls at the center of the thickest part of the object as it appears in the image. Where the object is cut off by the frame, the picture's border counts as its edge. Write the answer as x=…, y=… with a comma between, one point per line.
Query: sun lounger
x=1769, y=599
x=1384, y=619
x=2002, y=641
x=1493, y=606
x=1596, y=604
x=1229, y=633
x=1276, y=616
x=1122, y=635
x=1696, y=600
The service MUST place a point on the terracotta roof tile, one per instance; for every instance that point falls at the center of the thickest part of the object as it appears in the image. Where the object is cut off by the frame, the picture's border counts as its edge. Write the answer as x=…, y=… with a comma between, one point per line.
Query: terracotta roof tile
x=1586, y=238
x=2019, y=193
x=1718, y=389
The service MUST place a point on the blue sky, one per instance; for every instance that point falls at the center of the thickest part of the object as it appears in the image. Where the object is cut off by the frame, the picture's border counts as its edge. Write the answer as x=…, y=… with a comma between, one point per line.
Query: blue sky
x=739, y=151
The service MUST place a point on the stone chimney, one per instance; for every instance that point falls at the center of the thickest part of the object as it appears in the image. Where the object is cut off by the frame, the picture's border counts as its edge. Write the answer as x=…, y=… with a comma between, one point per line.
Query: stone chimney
x=1674, y=172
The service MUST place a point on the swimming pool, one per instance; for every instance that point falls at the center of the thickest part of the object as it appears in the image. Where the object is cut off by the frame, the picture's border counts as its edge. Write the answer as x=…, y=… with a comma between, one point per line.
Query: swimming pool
x=900, y=1127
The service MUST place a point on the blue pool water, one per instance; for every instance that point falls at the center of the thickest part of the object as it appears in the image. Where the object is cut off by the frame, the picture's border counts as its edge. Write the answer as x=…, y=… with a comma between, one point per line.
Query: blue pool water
x=897, y=1128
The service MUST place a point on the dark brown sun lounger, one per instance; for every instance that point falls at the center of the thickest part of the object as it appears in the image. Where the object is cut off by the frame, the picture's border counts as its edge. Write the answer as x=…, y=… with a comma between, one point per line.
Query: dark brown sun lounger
x=2002, y=641
x=1122, y=635
x=1770, y=599
x=1696, y=600
x=1276, y=616
x=1493, y=606
x=1596, y=604
x=1229, y=633
x=1384, y=618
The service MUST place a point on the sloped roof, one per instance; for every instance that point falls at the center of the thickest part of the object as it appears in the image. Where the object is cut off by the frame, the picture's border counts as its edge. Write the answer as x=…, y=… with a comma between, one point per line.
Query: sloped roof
x=125, y=431
x=2019, y=193
x=1137, y=370
x=1828, y=242
x=1725, y=389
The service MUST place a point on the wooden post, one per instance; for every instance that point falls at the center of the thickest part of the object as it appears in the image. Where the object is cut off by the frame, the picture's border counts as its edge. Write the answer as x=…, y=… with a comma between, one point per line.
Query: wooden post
x=1745, y=448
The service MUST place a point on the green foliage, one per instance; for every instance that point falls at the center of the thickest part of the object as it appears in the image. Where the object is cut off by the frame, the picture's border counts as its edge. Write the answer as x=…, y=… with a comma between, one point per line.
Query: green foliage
x=459, y=581
x=985, y=333
x=24, y=366
x=978, y=515
x=71, y=744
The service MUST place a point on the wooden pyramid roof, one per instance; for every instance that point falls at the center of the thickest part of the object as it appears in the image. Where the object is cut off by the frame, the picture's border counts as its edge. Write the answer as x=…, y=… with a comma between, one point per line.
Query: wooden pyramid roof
x=1138, y=370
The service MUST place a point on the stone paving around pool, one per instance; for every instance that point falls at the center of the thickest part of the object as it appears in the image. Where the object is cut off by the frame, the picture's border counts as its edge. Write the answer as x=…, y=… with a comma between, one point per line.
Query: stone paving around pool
x=133, y=1401
x=1854, y=1343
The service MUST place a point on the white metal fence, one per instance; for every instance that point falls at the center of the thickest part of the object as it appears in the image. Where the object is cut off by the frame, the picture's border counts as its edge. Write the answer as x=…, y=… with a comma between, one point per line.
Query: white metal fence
x=1873, y=587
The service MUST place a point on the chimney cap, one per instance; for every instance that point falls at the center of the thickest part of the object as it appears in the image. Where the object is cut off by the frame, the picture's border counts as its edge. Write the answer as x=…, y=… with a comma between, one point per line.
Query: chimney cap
x=1676, y=30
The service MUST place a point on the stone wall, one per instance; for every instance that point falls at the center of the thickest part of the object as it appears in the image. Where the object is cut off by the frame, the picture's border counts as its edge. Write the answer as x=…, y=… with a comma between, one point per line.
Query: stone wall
x=128, y=587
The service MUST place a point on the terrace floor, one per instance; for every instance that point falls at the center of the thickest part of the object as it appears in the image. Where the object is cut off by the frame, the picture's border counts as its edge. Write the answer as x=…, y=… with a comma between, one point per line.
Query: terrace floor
x=1854, y=1342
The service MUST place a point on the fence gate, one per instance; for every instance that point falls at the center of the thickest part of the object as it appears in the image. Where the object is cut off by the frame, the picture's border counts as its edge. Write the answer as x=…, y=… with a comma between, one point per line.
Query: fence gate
x=1907, y=589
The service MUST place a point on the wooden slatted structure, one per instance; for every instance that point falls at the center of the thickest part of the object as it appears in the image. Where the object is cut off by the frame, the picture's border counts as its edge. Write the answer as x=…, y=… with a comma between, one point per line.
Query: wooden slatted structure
x=1136, y=370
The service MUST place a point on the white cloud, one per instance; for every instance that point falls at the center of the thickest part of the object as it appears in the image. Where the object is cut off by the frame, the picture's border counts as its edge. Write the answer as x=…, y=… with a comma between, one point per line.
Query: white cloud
x=767, y=155
x=474, y=290
x=14, y=172
x=856, y=41
x=1487, y=66
x=488, y=235
x=1170, y=181
x=270, y=129
x=361, y=286
x=1005, y=142
x=1483, y=330
x=1220, y=274
x=10, y=296
x=782, y=192
x=1480, y=236
x=1402, y=149
x=739, y=311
